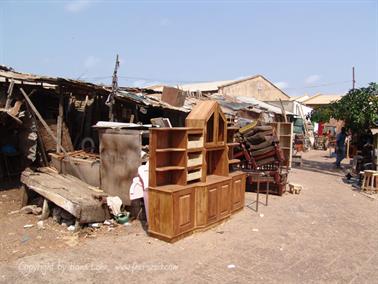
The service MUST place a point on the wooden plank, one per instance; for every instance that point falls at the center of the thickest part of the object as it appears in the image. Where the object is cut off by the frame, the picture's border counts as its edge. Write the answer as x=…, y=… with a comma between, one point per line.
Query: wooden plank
x=24, y=196
x=67, y=193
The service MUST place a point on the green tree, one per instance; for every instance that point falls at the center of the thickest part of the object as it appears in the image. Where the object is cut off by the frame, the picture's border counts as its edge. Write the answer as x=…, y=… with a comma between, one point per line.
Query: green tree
x=358, y=109
x=322, y=114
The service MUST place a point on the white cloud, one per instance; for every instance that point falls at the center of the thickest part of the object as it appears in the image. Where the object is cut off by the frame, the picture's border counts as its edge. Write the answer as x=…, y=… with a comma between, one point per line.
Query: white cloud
x=91, y=61
x=164, y=22
x=139, y=83
x=281, y=85
x=312, y=79
x=76, y=6
x=241, y=78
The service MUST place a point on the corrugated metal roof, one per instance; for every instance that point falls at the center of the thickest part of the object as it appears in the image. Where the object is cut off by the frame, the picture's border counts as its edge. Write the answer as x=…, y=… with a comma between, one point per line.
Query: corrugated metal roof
x=262, y=105
x=321, y=99
x=31, y=78
x=205, y=86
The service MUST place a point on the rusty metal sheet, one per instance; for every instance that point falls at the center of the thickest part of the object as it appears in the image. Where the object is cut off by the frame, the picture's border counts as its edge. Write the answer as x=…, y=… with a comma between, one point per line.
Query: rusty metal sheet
x=120, y=153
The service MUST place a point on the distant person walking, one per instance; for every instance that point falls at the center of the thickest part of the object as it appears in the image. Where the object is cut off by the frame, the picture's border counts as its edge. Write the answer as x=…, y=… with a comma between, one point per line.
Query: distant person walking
x=340, y=147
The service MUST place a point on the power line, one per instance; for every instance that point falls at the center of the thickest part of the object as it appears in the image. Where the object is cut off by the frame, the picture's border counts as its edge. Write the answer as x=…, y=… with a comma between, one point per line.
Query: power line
x=174, y=82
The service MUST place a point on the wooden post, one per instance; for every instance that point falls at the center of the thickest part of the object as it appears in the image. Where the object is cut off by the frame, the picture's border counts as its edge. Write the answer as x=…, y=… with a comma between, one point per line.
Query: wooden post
x=59, y=124
x=347, y=148
x=283, y=111
x=45, y=210
x=24, y=196
x=10, y=92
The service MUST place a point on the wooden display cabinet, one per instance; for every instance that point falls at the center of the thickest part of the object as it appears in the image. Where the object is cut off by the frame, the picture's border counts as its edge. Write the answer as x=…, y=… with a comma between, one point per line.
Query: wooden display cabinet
x=208, y=115
x=234, y=164
x=238, y=190
x=190, y=184
x=284, y=131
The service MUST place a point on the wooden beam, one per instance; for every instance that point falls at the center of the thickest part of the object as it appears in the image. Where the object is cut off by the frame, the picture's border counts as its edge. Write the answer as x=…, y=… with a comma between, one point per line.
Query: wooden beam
x=59, y=124
x=283, y=111
x=10, y=92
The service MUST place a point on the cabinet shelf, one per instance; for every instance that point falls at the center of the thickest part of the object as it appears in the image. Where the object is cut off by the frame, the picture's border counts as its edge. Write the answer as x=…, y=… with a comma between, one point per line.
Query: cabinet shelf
x=233, y=144
x=233, y=161
x=194, y=150
x=170, y=150
x=194, y=167
x=232, y=128
x=169, y=168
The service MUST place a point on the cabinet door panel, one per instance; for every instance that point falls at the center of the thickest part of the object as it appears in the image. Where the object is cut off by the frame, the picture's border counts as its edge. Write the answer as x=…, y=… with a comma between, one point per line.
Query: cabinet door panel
x=224, y=198
x=184, y=211
x=212, y=204
x=237, y=194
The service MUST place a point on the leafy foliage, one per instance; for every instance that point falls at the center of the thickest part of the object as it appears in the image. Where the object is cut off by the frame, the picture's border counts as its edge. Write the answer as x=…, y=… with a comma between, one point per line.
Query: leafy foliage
x=322, y=114
x=358, y=108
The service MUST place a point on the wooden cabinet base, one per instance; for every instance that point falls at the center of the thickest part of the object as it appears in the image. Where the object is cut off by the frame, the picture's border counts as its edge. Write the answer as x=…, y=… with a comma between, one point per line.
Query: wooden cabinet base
x=178, y=211
x=172, y=239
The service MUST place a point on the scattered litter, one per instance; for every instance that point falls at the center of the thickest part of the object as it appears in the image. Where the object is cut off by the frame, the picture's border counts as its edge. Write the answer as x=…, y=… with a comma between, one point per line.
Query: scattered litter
x=31, y=209
x=127, y=224
x=261, y=215
x=95, y=225
x=122, y=218
x=220, y=232
x=71, y=228
x=40, y=225
x=39, y=237
x=28, y=226
x=281, y=249
x=231, y=266
x=25, y=239
x=295, y=188
x=108, y=222
x=255, y=230
x=114, y=204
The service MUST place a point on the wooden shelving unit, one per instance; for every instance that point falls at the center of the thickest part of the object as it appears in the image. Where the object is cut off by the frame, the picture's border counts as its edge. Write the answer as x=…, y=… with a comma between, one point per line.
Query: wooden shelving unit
x=191, y=186
x=284, y=131
x=233, y=164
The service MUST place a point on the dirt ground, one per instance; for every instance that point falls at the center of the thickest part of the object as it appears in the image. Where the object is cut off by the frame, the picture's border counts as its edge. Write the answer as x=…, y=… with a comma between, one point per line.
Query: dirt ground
x=328, y=233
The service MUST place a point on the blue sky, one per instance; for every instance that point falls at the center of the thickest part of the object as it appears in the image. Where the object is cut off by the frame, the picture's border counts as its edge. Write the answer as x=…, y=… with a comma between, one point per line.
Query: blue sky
x=303, y=46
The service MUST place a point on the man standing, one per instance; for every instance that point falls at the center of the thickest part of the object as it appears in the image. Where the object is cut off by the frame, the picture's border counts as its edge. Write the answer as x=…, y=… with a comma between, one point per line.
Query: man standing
x=340, y=147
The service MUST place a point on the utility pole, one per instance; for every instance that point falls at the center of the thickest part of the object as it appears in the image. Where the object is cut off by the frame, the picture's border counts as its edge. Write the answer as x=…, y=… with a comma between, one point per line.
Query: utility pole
x=110, y=100
x=353, y=79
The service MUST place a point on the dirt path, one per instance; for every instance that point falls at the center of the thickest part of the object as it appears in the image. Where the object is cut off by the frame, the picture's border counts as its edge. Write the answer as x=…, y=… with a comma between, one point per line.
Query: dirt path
x=328, y=233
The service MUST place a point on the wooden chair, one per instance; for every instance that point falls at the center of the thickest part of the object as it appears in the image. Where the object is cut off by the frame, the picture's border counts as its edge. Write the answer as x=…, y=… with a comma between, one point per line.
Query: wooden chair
x=370, y=181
